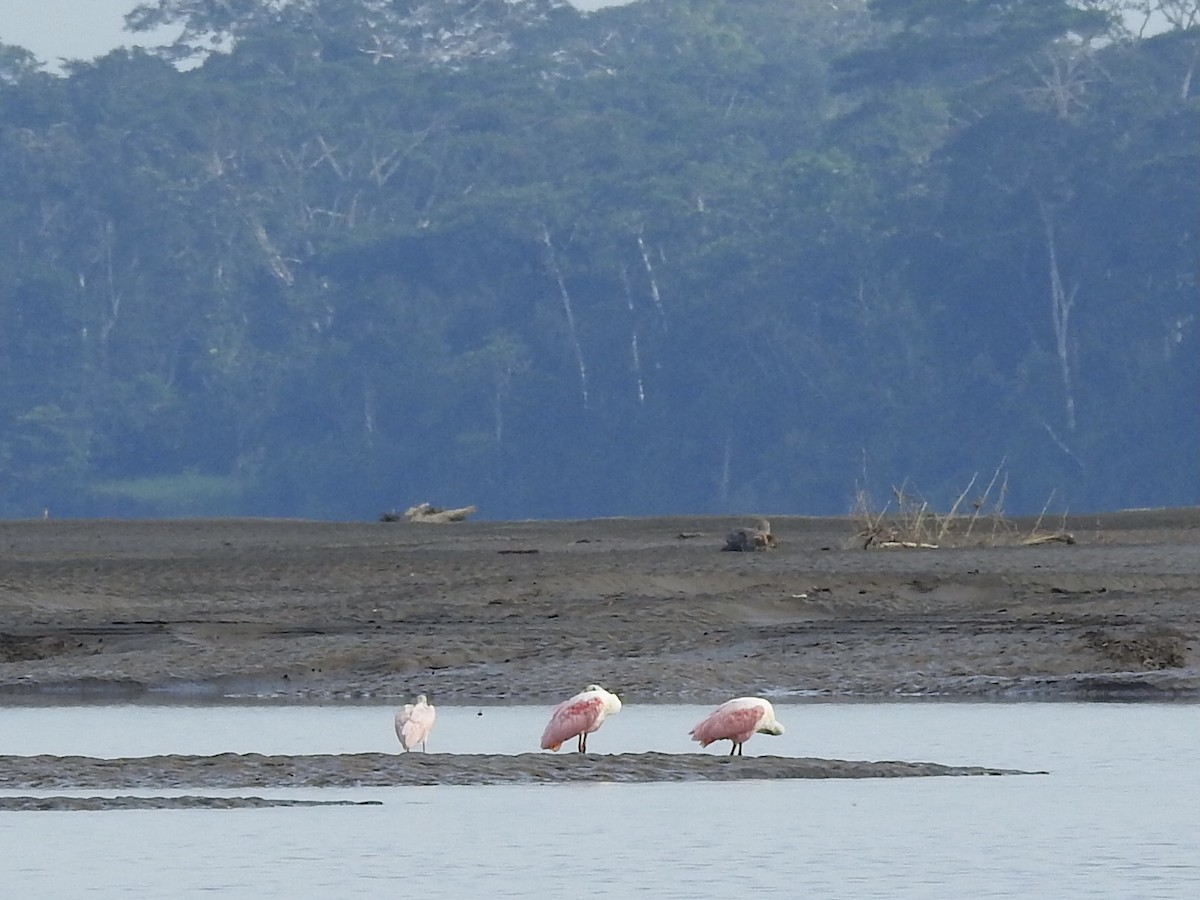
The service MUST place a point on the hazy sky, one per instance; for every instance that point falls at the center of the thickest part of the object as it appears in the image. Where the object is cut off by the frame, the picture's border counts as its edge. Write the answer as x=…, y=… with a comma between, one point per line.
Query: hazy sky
x=71, y=29
x=85, y=29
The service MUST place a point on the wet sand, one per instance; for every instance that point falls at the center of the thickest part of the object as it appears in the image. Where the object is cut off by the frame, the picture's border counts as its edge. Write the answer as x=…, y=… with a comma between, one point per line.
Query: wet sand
x=97, y=804
x=368, y=770
x=364, y=770
x=480, y=612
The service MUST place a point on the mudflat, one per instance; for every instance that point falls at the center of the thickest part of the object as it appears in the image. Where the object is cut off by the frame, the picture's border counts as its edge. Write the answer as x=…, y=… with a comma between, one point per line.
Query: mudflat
x=358, y=770
x=653, y=608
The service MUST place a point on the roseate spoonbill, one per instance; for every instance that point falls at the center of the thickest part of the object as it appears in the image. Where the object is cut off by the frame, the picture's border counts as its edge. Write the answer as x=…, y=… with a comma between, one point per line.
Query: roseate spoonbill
x=579, y=716
x=737, y=721
x=414, y=722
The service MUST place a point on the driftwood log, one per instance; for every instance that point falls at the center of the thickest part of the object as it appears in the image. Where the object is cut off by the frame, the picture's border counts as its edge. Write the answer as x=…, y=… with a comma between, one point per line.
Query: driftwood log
x=425, y=512
x=1060, y=537
x=750, y=539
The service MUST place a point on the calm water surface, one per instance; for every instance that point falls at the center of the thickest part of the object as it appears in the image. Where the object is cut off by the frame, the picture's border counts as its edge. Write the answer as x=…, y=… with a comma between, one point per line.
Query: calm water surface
x=1116, y=817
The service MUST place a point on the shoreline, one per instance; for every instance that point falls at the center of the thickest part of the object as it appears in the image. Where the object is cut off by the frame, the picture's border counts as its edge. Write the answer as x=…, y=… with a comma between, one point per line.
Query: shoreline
x=1137, y=689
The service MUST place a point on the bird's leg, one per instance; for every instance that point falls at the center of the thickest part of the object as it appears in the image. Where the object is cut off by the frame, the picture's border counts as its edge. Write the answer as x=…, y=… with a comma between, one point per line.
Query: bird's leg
x=732, y=747
x=583, y=742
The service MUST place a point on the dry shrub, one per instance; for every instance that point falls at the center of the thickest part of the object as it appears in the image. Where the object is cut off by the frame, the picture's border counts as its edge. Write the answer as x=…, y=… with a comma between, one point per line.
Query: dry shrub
x=909, y=520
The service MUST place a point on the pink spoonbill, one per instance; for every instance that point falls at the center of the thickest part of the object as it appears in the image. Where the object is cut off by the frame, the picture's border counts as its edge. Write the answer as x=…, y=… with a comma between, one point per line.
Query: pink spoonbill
x=579, y=716
x=737, y=720
x=414, y=722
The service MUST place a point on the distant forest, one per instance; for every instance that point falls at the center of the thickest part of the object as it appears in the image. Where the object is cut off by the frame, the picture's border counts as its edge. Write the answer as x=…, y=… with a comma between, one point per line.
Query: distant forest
x=326, y=258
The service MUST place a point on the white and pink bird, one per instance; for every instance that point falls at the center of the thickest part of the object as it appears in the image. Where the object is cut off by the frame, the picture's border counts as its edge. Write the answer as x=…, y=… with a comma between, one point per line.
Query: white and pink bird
x=737, y=720
x=579, y=716
x=414, y=722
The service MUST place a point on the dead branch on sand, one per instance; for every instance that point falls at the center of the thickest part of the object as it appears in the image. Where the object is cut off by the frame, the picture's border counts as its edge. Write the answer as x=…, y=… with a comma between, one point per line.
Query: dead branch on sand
x=1061, y=537
x=751, y=539
x=1036, y=537
x=427, y=513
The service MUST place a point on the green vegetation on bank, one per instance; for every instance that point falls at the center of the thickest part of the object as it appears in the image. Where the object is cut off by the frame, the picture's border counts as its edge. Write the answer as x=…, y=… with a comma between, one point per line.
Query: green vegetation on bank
x=677, y=256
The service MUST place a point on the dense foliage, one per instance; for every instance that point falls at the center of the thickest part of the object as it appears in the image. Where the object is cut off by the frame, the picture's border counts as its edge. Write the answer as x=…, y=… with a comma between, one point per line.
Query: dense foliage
x=676, y=256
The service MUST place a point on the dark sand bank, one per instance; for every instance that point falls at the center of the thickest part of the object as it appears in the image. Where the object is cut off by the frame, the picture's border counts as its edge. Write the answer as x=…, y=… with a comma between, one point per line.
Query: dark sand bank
x=484, y=612
x=98, y=804
x=230, y=770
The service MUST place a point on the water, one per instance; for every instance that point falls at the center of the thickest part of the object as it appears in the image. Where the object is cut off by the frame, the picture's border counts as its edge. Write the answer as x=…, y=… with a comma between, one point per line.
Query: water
x=1116, y=817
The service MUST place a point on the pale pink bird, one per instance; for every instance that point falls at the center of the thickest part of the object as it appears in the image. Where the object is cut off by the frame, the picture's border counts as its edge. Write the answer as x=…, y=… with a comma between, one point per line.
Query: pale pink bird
x=579, y=716
x=414, y=722
x=737, y=721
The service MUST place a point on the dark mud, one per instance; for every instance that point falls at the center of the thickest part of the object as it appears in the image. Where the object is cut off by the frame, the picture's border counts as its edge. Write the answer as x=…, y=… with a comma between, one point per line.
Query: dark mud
x=467, y=613
x=385, y=770
x=99, y=804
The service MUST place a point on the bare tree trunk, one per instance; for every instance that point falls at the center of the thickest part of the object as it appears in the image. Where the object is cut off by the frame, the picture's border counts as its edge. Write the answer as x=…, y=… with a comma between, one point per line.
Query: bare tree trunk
x=504, y=367
x=654, y=293
x=1185, y=88
x=633, y=338
x=567, y=308
x=111, y=310
x=1062, y=302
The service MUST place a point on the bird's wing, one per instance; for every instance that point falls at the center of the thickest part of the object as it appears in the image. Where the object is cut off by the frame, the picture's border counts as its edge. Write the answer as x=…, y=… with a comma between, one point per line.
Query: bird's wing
x=403, y=722
x=728, y=722
x=413, y=733
x=420, y=722
x=570, y=718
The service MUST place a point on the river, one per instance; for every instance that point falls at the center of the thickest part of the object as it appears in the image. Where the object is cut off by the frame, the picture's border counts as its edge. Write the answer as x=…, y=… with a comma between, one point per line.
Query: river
x=1116, y=815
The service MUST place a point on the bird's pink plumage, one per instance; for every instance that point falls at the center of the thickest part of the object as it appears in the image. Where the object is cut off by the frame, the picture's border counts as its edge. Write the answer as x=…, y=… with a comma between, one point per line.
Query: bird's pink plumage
x=415, y=724
x=571, y=718
x=736, y=723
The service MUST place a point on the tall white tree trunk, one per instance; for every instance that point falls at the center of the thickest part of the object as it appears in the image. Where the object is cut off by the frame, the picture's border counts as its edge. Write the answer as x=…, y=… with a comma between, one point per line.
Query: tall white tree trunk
x=1062, y=301
x=552, y=258
x=635, y=354
x=654, y=292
